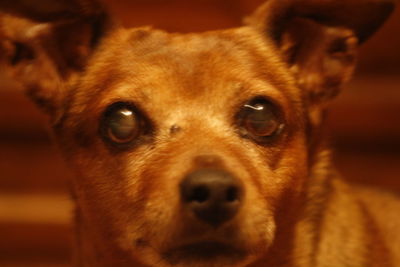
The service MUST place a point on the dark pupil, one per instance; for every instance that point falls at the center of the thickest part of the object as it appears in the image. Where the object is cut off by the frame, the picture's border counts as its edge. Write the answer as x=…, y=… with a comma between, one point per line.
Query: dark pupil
x=261, y=121
x=122, y=125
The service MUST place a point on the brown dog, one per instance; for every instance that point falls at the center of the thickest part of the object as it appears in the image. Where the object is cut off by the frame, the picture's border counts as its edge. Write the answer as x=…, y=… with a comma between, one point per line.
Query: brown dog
x=204, y=149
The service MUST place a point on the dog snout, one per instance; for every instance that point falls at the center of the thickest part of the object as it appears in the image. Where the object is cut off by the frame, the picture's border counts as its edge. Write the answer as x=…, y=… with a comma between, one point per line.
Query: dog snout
x=213, y=196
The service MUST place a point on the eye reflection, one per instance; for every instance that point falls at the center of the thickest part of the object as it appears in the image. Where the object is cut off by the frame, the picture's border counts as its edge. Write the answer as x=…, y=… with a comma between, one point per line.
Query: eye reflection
x=126, y=112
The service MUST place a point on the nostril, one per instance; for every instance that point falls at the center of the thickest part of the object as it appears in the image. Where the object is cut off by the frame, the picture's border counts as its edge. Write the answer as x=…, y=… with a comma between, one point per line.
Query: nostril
x=200, y=194
x=232, y=194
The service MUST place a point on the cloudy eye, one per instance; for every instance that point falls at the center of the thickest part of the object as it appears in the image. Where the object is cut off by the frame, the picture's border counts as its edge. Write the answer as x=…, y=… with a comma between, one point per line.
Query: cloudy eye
x=259, y=120
x=121, y=124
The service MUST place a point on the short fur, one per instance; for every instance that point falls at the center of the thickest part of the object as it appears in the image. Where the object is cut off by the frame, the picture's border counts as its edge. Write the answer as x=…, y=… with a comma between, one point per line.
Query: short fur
x=74, y=61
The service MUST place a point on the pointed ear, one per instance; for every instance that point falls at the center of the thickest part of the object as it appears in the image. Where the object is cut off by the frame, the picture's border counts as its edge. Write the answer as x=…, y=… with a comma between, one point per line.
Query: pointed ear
x=319, y=38
x=45, y=43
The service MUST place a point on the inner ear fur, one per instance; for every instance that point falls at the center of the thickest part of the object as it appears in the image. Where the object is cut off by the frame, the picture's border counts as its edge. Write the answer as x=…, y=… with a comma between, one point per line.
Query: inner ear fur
x=319, y=38
x=322, y=58
x=44, y=43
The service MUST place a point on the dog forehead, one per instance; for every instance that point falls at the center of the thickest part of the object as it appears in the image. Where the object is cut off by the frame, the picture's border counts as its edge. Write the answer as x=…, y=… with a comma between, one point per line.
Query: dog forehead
x=145, y=55
x=187, y=54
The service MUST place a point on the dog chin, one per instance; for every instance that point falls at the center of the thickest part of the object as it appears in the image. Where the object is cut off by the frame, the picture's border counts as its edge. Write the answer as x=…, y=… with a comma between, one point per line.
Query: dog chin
x=200, y=254
x=206, y=253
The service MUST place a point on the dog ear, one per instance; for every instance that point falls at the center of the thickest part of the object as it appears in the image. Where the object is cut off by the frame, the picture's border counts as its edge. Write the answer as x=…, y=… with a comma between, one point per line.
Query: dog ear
x=45, y=43
x=319, y=38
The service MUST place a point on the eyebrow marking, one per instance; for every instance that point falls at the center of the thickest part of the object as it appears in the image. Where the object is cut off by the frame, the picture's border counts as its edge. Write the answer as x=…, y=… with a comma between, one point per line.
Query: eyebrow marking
x=175, y=129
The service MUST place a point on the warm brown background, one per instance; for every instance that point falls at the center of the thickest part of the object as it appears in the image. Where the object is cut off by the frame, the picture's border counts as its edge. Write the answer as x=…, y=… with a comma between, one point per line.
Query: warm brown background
x=34, y=206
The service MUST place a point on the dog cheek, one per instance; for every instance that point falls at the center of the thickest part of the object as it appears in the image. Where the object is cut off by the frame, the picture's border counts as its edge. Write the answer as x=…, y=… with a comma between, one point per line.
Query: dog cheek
x=257, y=221
x=281, y=188
x=291, y=179
x=155, y=196
x=101, y=189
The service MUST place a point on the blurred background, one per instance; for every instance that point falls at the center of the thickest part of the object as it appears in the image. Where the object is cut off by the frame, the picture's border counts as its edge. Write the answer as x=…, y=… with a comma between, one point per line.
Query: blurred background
x=35, y=211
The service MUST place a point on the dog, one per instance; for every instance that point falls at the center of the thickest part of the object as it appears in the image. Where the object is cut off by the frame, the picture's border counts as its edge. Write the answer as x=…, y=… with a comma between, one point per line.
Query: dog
x=204, y=149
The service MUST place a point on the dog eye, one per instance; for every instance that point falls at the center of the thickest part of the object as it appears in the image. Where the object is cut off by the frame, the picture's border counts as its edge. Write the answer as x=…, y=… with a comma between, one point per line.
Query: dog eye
x=121, y=124
x=259, y=120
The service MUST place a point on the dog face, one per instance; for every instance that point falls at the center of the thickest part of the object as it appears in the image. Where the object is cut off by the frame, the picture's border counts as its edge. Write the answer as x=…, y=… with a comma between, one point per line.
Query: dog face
x=190, y=150
x=187, y=111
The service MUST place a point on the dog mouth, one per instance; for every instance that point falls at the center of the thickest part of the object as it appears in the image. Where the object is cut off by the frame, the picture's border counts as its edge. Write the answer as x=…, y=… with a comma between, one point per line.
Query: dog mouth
x=206, y=252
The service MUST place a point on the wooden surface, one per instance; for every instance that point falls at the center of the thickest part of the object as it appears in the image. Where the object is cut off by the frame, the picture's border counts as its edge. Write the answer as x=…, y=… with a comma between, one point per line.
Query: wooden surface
x=34, y=207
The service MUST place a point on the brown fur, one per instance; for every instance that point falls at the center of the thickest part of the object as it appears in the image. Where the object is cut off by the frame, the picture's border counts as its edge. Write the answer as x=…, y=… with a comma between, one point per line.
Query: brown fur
x=296, y=210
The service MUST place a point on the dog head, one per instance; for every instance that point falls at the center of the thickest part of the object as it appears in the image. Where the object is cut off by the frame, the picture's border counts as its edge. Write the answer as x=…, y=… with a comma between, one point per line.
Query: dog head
x=189, y=149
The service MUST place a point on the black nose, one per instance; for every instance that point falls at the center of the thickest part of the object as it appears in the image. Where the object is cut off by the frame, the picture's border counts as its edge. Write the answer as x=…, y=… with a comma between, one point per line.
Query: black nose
x=214, y=196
